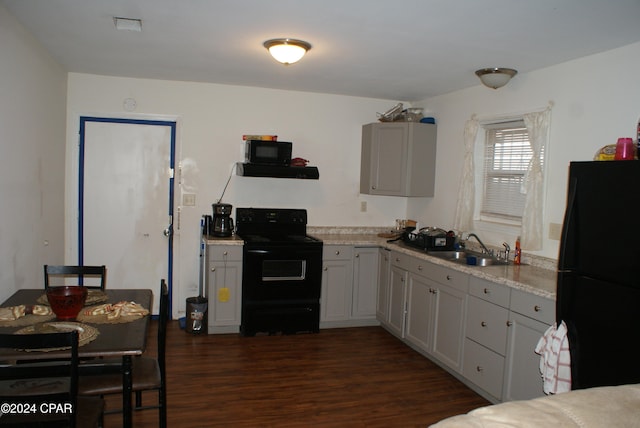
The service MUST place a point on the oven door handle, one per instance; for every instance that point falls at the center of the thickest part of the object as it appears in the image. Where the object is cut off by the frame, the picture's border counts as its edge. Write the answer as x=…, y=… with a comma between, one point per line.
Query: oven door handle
x=258, y=251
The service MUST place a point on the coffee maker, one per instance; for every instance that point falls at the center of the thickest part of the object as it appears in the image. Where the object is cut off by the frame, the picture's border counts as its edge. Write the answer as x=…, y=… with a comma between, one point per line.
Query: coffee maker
x=222, y=221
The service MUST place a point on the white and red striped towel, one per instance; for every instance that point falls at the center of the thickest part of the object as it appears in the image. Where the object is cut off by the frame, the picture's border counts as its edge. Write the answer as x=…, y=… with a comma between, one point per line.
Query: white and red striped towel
x=555, y=360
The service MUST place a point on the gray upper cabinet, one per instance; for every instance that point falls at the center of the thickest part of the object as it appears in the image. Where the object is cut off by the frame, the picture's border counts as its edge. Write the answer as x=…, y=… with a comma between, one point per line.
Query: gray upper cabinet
x=398, y=159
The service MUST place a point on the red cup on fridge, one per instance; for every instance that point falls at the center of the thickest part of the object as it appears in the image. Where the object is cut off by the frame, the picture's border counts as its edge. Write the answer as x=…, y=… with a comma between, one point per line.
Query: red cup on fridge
x=624, y=149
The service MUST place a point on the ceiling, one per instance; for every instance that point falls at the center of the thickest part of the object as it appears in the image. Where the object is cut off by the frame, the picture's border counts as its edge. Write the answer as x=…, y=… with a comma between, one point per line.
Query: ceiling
x=403, y=50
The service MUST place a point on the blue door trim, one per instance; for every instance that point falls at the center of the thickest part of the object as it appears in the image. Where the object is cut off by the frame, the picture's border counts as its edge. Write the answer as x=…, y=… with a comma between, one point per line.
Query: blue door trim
x=172, y=126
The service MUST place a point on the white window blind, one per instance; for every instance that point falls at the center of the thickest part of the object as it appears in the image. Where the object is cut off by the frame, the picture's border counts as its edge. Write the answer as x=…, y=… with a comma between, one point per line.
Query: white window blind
x=506, y=158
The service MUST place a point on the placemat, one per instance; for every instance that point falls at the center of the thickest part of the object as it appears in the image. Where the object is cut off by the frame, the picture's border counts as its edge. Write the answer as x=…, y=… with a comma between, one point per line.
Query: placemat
x=29, y=319
x=85, y=316
x=86, y=333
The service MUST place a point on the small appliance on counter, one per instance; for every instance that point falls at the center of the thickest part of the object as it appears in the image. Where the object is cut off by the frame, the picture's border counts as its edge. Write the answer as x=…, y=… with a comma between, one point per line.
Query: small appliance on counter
x=431, y=239
x=222, y=221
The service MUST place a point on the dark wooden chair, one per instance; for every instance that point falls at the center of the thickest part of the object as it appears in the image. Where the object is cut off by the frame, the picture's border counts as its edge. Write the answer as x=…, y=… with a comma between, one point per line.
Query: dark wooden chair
x=58, y=275
x=104, y=377
x=45, y=392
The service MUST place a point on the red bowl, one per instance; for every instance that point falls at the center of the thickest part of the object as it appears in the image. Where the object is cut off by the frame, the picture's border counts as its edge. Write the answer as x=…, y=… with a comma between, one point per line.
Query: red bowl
x=67, y=301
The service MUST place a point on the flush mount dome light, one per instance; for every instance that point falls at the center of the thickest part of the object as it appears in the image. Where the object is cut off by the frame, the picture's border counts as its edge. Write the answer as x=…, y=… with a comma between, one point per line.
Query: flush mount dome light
x=287, y=51
x=496, y=77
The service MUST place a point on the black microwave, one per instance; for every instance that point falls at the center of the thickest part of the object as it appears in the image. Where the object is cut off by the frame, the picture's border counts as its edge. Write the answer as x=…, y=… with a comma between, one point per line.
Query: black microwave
x=268, y=152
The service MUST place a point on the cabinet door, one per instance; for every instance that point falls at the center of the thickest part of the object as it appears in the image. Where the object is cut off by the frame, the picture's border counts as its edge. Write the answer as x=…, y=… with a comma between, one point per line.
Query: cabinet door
x=448, y=326
x=224, y=288
x=522, y=378
x=382, y=304
x=365, y=282
x=335, y=302
x=384, y=159
x=420, y=301
x=397, y=300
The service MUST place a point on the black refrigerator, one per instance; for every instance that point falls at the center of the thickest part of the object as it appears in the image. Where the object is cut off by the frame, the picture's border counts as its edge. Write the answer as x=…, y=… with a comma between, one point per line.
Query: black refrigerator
x=598, y=294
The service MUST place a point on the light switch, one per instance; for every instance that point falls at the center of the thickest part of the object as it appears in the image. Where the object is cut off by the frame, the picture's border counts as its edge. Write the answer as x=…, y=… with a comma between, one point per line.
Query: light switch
x=189, y=199
x=363, y=206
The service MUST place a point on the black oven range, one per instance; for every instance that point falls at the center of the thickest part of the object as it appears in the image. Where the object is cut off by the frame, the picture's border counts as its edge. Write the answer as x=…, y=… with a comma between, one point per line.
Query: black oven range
x=281, y=272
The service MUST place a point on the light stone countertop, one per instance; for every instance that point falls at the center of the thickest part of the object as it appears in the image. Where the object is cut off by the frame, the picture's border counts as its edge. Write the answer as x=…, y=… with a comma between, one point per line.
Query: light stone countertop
x=533, y=276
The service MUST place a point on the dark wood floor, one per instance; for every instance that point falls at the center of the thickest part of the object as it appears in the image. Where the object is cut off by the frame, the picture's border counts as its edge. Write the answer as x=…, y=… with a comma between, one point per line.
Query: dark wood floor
x=353, y=377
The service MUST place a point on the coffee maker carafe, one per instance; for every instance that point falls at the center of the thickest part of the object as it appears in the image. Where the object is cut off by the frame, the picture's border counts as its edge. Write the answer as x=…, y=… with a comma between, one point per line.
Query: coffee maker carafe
x=222, y=221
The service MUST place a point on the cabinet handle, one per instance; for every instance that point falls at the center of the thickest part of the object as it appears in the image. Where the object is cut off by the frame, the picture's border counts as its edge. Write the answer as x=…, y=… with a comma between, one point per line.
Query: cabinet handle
x=509, y=323
x=448, y=277
x=483, y=323
x=479, y=368
x=536, y=308
x=325, y=269
x=397, y=259
x=419, y=267
x=373, y=187
x=486, y=291
x=401, y=279
x=213, y=269
x=357, y=255
x=224, y=253
x=337, y=252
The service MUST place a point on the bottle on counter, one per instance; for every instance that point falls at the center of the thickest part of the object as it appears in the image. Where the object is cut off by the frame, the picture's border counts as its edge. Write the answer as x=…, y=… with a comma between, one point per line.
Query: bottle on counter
x=517, y=254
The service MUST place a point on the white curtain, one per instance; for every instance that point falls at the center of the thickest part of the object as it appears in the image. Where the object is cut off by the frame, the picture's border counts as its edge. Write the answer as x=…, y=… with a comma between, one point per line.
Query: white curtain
x=538, y=128
x=466, y=192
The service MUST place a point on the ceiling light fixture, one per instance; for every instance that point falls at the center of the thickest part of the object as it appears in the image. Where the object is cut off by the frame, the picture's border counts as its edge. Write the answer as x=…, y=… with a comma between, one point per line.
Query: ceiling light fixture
x=287, y=51
x=496, y=77
x=128, y=24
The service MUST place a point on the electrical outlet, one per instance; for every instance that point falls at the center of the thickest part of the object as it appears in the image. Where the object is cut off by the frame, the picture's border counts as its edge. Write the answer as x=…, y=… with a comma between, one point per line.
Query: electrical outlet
x=555, y=230
x=363, y=206
x=189, y=200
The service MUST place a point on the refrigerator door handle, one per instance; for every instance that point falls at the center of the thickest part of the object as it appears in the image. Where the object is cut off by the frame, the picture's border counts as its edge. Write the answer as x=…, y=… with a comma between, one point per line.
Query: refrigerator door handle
x=568, y=217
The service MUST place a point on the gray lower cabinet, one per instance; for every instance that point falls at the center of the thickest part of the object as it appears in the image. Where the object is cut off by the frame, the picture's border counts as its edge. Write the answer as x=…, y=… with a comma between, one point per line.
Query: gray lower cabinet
x=397, y=296
x=529, y=318
x=337, y=279
x=436, y=301
x=349, y=286
x=384, y=270
x=224, y=288
x=427, y=308
x=365, y=283
x=503, y=328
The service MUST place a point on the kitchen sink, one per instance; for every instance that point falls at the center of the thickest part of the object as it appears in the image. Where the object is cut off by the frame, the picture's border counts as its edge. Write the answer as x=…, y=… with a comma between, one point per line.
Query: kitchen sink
x=471, y=258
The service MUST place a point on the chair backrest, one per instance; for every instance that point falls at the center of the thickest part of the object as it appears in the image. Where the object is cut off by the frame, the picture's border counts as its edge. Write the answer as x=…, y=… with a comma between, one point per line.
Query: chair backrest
x=59, y=275
x=43, y=385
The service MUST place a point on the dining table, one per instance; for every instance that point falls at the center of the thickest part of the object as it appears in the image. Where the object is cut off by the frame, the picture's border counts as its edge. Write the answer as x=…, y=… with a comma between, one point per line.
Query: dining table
x=125, y=339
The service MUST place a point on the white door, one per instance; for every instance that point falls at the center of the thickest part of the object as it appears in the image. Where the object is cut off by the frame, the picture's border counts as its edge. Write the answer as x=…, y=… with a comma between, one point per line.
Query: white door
x=126, y=200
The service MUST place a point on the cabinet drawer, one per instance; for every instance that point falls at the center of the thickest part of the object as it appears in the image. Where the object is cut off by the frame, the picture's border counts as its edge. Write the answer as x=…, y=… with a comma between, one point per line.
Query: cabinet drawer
x=450, y=277
x=490, y=291
x=483, y=367
x=222, y=252
x=487, y=324
x=400, y=260
x=533, y=306
x=337, y=252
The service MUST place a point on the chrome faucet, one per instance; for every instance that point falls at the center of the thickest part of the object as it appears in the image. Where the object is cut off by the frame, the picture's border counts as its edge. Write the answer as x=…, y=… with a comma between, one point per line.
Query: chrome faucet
x=507, y=250
x=484, y=247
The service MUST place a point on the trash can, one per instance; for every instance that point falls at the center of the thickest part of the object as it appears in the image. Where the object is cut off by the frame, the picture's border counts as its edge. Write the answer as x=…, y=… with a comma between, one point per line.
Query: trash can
x=196, y=319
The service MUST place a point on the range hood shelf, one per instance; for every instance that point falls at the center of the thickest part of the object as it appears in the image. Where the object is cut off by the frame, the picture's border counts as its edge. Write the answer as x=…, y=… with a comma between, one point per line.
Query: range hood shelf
x=277, y=171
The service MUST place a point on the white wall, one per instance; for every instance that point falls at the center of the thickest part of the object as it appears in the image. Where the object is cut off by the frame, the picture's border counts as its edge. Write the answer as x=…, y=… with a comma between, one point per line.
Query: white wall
x=596, y=100
x=32, y=148
x=325, y=129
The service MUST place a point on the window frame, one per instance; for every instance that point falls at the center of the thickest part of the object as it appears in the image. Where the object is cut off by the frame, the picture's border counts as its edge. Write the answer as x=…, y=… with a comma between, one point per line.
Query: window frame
x=506, y=218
